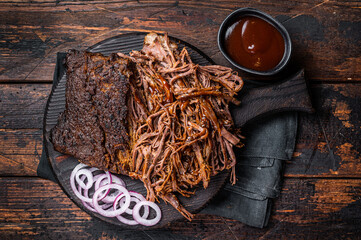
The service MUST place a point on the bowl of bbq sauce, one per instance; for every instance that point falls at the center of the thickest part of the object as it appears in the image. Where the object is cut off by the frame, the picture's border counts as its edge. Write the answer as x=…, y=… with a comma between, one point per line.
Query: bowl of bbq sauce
x=253, y=41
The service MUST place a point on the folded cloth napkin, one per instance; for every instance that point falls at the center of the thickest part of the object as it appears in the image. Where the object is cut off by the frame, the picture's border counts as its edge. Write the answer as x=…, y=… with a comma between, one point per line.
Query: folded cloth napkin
x=259, y=171
x=259, y=168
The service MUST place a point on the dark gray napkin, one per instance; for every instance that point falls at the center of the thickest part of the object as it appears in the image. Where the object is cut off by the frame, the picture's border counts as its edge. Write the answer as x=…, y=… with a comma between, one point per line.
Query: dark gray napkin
x=259, y=171
x=259, y=168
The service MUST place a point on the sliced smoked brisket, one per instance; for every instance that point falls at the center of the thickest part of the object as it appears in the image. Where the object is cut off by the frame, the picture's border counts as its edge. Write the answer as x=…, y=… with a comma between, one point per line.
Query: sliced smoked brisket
x=93, y=127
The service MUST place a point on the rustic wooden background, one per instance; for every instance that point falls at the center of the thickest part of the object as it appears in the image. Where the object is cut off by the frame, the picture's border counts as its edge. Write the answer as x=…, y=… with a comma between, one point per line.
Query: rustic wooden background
x=321, y=194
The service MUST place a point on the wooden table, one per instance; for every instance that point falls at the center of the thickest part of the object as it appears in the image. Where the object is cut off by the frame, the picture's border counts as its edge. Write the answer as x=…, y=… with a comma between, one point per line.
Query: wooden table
x=321, y=195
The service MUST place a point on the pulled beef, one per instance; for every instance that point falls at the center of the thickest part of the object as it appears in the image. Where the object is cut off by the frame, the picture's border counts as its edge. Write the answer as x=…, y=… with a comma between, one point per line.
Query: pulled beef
x=180, y=121
x=94, y=128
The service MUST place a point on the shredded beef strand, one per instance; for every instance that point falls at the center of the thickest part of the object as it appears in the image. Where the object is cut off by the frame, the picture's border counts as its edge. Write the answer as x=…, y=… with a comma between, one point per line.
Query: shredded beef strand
x=181, y=122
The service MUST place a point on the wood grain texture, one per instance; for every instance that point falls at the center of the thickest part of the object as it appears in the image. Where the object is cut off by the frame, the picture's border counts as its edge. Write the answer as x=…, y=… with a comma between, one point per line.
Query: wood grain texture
x=20, y=151
x=320, y=198
x=32, y=208
x=23, y=105
x=324, y=148
x=324, y=33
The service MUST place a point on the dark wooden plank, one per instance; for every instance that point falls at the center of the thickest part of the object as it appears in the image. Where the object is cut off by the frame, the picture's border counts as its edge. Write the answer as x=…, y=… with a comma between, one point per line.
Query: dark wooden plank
x=325, y=34
x=32, y=208
x=329, y=140
x=23, y=105
x=326, y=38
x=20, y=151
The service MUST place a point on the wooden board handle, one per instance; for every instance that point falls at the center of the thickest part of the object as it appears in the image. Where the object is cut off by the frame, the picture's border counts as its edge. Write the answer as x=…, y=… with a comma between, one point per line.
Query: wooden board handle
x=290, y=95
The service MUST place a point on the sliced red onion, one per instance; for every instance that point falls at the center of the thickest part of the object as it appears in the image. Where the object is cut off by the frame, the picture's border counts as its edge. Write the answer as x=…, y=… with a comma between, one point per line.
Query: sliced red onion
x=110, y=198
x=113, y=179
x=73, y=186
x=90, y=206
x=134, y=197
x=96, y=177
x=109, y=176
x=115, y=211
x=118, y=180
x=100, y=179
x=143, y=221
x=87, y=205
x=98, y=183
x=89, y=178
x=126, y=220
x=137, y=197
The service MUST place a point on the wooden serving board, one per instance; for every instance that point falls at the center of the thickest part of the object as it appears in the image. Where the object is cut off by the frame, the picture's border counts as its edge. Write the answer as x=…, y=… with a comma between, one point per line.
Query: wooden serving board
x=283, y=96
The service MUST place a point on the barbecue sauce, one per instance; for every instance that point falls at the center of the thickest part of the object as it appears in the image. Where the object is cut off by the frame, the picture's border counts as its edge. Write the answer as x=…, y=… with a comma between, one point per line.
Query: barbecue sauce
x=167, y=90
x=255, y=44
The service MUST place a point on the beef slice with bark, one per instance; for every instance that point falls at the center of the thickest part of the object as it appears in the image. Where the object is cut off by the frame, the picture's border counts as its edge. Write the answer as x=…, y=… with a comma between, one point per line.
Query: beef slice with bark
x=94, y=127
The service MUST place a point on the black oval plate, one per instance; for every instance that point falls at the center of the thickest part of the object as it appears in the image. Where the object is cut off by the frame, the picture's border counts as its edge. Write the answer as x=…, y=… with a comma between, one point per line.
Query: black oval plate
x=62, y=165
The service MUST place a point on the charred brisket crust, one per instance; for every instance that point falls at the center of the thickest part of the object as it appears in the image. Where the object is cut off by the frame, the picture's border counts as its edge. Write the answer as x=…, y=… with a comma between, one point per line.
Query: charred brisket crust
x=93, y=127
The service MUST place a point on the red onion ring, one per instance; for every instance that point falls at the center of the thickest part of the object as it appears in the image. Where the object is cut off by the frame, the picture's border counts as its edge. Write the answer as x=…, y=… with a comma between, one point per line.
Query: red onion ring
x=110, y=197
x=118, y=180
x=143, y=221
x=98, y=182
x=73, y=186
x=89, y=177
x=84, y=180
x=138, y=197
x=115, y=211
x=87, y=205
x=127, y=221
x=134, y=197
